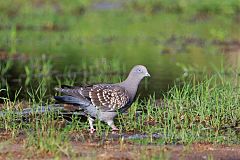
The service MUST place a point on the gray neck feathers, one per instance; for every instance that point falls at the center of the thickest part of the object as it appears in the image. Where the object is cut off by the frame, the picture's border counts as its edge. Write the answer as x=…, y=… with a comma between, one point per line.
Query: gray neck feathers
x=131, y=85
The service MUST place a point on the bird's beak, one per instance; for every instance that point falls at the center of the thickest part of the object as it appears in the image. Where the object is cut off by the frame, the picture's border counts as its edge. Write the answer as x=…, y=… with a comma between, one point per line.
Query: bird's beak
x=148, y=75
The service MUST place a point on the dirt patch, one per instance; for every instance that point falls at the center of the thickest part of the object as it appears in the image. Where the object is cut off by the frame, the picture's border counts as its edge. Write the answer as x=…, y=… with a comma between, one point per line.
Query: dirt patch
x=51, y=27
x=176, y=44
x=113, y=149
x=200, y=17
x=4, y=56
x=228, y=46
x=133, y=151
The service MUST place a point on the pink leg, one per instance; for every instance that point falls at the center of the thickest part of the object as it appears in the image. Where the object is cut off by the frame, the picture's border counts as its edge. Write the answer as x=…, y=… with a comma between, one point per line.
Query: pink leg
x=111, y=124
x=90, y=120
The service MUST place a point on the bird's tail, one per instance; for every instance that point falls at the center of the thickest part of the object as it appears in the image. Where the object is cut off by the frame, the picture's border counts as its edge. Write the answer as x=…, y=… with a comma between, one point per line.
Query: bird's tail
x=73, y=100
x=38, y=110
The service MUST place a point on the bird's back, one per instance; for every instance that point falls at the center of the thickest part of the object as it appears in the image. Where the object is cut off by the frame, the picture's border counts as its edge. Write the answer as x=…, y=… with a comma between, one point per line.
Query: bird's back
x=105, y=97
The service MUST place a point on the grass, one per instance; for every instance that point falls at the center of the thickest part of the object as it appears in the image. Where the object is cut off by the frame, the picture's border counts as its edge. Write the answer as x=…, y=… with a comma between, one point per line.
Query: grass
x=212, y=6
x=50, y=43
x=204, y=110
x=62, y=31
x=207, y=111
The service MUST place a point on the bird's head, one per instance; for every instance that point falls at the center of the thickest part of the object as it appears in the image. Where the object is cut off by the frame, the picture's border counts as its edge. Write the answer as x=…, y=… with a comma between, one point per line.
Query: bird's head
x=139, y=72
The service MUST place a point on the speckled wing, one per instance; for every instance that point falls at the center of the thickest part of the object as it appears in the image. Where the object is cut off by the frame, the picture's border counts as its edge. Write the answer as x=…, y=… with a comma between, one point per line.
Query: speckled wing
x=104, y=97
x=78, y=92
x=108, y=97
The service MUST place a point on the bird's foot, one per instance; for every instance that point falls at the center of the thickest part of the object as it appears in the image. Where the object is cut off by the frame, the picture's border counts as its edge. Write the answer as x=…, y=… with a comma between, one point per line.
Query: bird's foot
x=115, y=130
x=92, y=130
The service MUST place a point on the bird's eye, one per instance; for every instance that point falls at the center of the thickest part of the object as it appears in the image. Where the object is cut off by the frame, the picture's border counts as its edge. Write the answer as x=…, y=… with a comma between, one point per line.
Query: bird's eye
x=139, y=70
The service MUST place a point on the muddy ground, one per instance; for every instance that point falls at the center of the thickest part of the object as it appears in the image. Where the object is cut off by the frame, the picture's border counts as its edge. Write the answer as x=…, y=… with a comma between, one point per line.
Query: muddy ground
x=113, y=149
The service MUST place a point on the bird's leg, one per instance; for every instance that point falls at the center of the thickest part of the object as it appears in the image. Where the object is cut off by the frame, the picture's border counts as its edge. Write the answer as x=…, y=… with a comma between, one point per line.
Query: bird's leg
x=112, y=125
x=91, y=120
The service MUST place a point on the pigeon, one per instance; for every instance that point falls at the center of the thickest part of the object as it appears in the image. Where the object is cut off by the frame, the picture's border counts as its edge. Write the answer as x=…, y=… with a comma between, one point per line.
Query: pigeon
x=104, y=101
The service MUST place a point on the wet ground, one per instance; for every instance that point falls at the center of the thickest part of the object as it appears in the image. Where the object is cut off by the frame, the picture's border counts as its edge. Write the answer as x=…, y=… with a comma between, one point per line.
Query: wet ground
x=127, y=151
x=131, y=151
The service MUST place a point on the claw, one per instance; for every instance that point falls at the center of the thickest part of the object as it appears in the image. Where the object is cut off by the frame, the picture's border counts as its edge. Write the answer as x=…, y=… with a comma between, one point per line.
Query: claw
x=92, y=130
x=115, y=129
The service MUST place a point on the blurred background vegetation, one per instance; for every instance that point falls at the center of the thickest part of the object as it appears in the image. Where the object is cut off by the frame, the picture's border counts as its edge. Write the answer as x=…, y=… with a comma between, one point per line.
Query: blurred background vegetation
x=82, y=41
x=191, y=49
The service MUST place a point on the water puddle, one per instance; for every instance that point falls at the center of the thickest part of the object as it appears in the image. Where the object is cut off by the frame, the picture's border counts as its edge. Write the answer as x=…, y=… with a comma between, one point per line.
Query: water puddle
x=137, y=136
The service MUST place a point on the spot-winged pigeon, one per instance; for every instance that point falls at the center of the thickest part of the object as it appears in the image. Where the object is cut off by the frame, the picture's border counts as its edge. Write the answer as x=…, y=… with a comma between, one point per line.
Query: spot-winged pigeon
x=103, y=101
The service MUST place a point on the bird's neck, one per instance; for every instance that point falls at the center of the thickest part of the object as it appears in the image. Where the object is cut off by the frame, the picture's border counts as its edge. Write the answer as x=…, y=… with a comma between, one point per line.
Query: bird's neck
x=131, y=85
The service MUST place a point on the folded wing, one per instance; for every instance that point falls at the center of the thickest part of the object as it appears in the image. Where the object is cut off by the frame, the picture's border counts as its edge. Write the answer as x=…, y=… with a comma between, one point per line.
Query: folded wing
x=104, y=97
